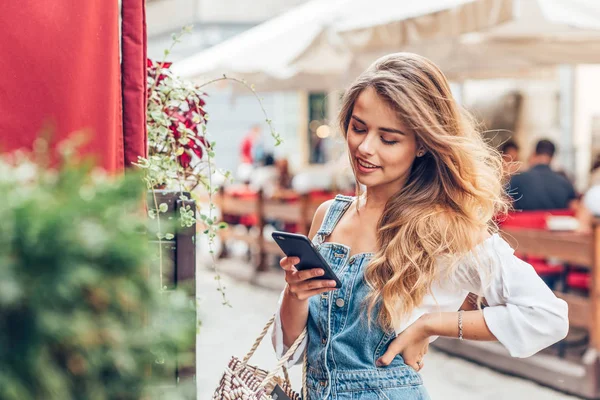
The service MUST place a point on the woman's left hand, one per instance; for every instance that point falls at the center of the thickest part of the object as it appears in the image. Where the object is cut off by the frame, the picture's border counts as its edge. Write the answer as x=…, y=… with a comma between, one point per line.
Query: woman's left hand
x=412, y=344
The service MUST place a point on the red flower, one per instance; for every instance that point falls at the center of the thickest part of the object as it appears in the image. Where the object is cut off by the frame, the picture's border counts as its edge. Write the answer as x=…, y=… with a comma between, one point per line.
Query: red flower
x=196, y=145
x=198, y=107
x=185, y=159
x=153, y=67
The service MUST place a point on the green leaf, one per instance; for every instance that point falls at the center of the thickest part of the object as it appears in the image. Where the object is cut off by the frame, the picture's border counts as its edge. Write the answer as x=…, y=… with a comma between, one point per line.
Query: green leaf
x=163, y=207
x=169, y=236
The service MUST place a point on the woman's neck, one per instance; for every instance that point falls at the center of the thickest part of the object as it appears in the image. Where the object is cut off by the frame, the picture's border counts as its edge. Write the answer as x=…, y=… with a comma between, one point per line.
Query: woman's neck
x=373, y=201
x=376, y=197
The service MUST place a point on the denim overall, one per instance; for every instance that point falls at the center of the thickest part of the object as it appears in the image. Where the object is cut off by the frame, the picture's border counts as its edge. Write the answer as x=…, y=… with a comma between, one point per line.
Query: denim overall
x=342, y=348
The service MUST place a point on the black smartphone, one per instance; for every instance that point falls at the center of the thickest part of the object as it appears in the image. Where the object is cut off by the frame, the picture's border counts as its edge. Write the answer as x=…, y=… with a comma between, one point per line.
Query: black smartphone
x=294, y=245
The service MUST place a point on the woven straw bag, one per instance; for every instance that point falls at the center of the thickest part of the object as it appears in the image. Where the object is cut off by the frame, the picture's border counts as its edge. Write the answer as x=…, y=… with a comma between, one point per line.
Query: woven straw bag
x=241, y=381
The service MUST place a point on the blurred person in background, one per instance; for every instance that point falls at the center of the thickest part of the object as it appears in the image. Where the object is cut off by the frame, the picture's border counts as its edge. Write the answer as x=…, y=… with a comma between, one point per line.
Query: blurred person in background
x=410, y=248
x=318, y=150
x=284, y=179
x=266, y=176
x=250, y=153
x=510, y=157
x=274, y=179
x=541, y=188
x=248, y=145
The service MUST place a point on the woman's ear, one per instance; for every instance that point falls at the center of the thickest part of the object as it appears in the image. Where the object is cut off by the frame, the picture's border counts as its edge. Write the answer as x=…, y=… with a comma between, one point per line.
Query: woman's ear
x=421, y=152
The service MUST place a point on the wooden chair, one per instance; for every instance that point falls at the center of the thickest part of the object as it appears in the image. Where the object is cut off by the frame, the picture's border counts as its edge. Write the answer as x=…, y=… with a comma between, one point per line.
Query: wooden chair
x=251, y=209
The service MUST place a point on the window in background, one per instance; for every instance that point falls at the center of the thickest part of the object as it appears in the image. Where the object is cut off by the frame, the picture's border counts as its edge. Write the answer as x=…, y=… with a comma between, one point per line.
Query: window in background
x=318, y=129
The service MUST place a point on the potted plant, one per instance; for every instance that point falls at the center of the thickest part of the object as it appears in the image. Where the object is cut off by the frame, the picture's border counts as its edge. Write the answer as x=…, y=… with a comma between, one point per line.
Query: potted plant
x=181, y=159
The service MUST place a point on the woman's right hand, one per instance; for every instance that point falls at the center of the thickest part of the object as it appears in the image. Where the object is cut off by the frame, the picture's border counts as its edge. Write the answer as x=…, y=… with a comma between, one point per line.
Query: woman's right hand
x=301, y=286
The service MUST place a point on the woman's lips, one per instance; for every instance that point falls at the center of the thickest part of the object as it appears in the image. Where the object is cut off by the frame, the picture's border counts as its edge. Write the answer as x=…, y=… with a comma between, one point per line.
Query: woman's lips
x=365, y=166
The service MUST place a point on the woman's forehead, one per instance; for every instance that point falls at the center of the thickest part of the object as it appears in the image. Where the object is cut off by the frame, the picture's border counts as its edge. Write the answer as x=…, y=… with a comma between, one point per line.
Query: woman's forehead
x=371, y=107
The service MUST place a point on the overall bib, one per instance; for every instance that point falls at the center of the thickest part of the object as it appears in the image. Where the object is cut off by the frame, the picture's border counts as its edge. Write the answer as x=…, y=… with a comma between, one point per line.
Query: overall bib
x=342, y=347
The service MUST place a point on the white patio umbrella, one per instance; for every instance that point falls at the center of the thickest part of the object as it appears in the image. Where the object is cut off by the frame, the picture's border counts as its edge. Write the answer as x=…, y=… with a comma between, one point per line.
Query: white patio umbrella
x=262, y=54
x=270, y=55
x=513, y=36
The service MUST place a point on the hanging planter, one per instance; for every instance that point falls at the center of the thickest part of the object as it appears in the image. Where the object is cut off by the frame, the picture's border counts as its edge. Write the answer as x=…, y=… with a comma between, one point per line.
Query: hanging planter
x=180, y=160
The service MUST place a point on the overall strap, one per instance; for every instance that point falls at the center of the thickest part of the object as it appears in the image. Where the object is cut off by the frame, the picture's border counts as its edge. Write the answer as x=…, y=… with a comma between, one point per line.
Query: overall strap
x=335, y=211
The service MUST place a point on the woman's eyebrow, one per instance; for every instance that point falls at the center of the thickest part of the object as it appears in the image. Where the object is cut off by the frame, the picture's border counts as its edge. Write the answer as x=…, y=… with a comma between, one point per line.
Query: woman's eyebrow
x=390, y=130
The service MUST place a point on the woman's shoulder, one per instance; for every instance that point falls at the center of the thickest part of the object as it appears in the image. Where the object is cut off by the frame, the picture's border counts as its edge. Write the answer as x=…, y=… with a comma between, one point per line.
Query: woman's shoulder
x=481, y=246
x=321, y=211
x=323, y=207
x=487, y=258
x=489, y=243
x=319, y=216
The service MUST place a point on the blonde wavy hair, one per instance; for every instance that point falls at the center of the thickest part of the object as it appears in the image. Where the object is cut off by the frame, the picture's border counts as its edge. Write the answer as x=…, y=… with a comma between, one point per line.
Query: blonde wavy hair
x=451, y=196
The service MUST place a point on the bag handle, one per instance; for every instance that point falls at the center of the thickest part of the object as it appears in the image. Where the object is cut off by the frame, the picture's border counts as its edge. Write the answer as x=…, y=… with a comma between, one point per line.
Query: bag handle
x=304, y=372
x=284, y=359
x=258, y=340
x=281, y=364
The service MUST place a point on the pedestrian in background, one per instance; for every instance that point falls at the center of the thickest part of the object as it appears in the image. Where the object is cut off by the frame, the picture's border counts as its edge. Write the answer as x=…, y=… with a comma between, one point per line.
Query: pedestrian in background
x=541, y=188
x=251, y=153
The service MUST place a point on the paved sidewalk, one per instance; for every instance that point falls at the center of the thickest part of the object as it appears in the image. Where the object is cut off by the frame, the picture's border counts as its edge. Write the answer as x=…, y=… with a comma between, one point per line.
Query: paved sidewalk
x=231, y=331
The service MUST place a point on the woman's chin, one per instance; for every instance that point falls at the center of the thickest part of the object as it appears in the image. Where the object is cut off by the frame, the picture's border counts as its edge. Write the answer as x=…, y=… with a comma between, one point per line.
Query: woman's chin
x=368, y=181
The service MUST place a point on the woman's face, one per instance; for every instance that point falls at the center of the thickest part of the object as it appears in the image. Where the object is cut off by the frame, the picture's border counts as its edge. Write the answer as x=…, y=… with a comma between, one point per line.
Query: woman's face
x=382, y=148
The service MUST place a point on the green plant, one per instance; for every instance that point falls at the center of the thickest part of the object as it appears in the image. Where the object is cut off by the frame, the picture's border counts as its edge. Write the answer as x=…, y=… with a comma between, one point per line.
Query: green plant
x=180, y=154
x=80, y=312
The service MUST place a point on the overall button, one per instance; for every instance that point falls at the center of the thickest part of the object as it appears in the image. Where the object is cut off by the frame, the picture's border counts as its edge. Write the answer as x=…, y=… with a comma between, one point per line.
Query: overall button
x=324, y=340
x=324, y=298
x=352, y=261
x=338, y=255
x=323, y=383
x=340, y=302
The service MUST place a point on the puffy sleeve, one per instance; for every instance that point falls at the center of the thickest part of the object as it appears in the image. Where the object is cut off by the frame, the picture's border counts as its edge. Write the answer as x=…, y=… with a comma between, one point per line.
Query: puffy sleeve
x=523, y=313
x=277, y=339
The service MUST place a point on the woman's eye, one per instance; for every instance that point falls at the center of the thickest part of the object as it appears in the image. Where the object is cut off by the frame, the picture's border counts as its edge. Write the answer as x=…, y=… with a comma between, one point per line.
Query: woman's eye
x=388, y=142
x=357, y=130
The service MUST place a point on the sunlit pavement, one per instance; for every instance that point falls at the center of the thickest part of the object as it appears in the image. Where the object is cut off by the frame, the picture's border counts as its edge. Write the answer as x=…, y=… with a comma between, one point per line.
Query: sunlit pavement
x=231, y=331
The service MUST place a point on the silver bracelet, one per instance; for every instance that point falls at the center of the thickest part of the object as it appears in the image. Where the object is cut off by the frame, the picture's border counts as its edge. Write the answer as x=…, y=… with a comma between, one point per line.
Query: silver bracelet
x=460, y=325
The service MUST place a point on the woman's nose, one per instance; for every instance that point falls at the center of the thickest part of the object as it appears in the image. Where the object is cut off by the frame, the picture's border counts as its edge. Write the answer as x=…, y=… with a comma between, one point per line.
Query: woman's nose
x=367, y=146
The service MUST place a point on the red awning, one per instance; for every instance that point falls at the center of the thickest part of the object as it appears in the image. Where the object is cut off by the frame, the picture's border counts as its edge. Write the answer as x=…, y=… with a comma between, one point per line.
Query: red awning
x=60, y=70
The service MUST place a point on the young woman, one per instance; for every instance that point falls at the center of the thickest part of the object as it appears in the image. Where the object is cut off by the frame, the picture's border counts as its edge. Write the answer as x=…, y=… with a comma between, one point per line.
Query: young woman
x=411, y=247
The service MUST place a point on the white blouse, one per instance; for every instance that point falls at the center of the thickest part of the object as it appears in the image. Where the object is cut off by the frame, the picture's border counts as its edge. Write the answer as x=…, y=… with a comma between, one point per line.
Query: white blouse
x=523, y=313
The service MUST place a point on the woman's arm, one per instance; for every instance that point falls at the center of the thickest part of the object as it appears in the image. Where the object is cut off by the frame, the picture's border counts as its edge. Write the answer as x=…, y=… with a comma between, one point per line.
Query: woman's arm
x=413, y=342
x=292, y=315
x=294, y=308
x=446, y=324
x=523, y=313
